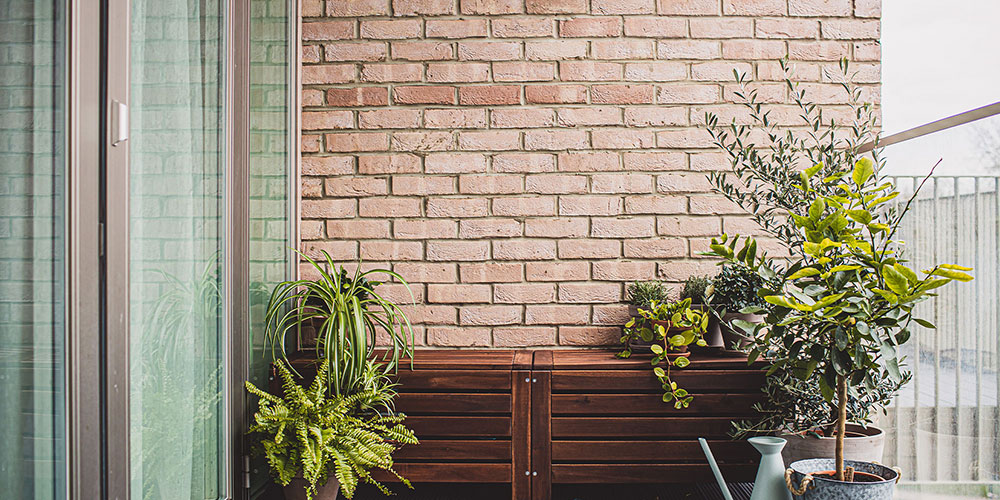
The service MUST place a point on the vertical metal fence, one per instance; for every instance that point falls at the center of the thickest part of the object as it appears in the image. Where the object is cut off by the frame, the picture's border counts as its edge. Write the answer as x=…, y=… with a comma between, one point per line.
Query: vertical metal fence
x=944, y=428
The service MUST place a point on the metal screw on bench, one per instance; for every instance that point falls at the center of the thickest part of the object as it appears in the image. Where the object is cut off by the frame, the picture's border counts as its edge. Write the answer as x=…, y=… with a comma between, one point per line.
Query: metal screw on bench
x=534, y=473
x=534, y=380
x=526, y=379
x=527, y=473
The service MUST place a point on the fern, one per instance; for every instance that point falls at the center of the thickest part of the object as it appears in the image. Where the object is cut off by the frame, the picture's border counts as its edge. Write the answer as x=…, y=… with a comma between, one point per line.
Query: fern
x=313, y=433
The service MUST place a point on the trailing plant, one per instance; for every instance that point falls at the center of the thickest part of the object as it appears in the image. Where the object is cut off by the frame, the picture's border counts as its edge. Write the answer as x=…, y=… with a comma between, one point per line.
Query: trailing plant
x=696, y=289
x=643, y=293
x=312, y=433
x=351, y=315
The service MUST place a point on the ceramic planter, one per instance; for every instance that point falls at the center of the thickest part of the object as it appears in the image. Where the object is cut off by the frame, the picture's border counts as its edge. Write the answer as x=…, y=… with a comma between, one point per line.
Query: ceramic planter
x=862, y=444
x=806, y=480
x=296, y=490
x=731, y=337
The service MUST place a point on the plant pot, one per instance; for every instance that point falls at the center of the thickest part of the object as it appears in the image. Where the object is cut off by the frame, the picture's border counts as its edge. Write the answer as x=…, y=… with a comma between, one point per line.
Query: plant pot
x=633, y=310
x=642, y=347
x=862, y=444
x=733, y=339
x=812, y=480
x=296, y=490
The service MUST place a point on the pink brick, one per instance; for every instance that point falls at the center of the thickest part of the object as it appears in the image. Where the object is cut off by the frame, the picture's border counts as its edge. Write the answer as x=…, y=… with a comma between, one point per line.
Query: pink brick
x=369, y=51
x=423, y=141
x=556, y=315
x=423, y=7
x=612, y=7
x=422, y=185
x=867, y=51
x=753, y=49
x=624, y=271
x=685, y=138
x=656, y=27
x=721, y=27
x=555, y=50
x=589, y=335
x=458, y=72
x=686, y=225
x=622, y=94
x=356, y=186
x=787, y=28
x=431, y=314
x=311, y=143
x=358, y=96
x=556, y=6
x=713, y=205
x=424, y=95
x=489, y=140
x=589, y=205
x=555, y=184
x=820, y=8
x=614, y=314
x=328, y=209
x=425, y=272
x=589, y=71
x=524, y=162
x=449, y=250
x=394, y=29
x=312, y=97
x=389, y=118
x=310, y=229
x=491, y=272
x=391, y=72
x=489, y=228
x=458, y=294
x=618, y=227
x=868, y=8
x=327, y=165
x=488, y=51
x=490, y=7
x=424, y=229
x=656, y=117
x=486, y=95
x=682, y=183
x=455, y=118
x=312, y=8
x=555, y=94
x=661, y=71
x=357, y=8
x=592, y=115
x=348, y=142
x=463, y=28
x=328, y=30
x=655, y=161
x=524, y=206
x=590, y=293
x=524, y=27
x=553, y=140
x=754, y=7
x=688, y=7
x=522, y=118
x=524, y=337
x=389, y=207
x=524, y=293
x=679, y=270
x=311, y=187
x=660, y=248
x=589, y=161
x=456, y=207
x=619, y=183
x=489, y=315
x=524, y=249
x=590, y=249
x=312, y=54
x=688, y=49
x=458, y=337
x=656, y=204
x=490, y=184
x=392, y=250
x=338, y=250
x=327, y=74
x=563, y=227
x=445, y=163
x=557, y=271
x=818, y=50
x=589, y=27
x=524, y=71
x=422, y=51
x=389, y=164
x=851, y=29
x=718, y=71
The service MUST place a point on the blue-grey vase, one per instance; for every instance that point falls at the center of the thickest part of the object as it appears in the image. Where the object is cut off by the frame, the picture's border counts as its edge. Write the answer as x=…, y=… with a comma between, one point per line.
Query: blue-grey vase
x=770, y=482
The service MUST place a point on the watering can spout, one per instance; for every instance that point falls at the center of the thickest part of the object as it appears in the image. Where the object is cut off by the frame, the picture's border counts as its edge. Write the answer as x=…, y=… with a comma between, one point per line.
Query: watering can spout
x=715, y=469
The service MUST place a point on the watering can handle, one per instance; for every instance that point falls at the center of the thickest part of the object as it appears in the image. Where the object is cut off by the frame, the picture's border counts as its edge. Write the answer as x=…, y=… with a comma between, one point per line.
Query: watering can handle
x=802, y=487
x=715, y=469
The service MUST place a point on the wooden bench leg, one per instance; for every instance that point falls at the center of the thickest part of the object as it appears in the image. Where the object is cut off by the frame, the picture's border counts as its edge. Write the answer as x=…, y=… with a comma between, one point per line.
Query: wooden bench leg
x=520, y=434
x=541, y=435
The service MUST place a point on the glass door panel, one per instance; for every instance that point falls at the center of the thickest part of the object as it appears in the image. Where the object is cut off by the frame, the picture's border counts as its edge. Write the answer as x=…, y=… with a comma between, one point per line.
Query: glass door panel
x=32, y=265
x=177, y=162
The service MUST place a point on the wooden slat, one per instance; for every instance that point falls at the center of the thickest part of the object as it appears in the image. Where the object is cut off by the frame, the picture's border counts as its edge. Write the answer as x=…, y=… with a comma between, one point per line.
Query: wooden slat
x=601, y=359
x=541, y=434
x=649, y=451
x=453, y=380
x=742, y=380
x=651, y=404
x=523, y=359
x=454, y=359
x=438, y=426
x=456, y=450
x=445, y=472
x=520, y=438
x=647, y=473
x=416, y=403
x=641, y=427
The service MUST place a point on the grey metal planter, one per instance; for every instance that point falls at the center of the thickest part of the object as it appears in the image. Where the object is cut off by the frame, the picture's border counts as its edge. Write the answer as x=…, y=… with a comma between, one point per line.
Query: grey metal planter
x=805, y=486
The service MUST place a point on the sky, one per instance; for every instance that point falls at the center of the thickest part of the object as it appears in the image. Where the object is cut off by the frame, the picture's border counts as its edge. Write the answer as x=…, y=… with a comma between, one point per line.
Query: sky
x=940, y=58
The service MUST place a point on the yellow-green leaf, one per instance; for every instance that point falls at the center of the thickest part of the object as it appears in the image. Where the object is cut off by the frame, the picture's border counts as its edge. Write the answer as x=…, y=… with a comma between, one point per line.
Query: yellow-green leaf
x=811, y=171
x=895, y=280
x=905, y=271
x=952, y=274
x=863, y=170
x=804, y=273
x=956, y=267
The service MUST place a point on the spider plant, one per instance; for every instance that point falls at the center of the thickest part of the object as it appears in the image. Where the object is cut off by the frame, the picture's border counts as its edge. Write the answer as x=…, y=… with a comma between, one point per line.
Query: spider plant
x=351, y=314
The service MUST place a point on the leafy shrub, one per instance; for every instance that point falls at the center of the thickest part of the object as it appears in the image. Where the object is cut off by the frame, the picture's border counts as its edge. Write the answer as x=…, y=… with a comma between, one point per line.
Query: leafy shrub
x=643, y=293
x=736, y=286
x=696, y=289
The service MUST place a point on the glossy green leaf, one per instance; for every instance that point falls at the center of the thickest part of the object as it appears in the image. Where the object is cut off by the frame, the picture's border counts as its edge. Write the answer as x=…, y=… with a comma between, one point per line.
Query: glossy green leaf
x=863, y=170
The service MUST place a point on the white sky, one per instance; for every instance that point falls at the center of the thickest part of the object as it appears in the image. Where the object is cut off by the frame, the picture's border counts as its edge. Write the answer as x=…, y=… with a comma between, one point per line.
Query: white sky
x=939, y=58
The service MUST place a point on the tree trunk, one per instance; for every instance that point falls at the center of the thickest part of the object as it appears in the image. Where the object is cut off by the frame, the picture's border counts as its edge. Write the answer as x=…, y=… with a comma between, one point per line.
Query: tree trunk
x=841, y=425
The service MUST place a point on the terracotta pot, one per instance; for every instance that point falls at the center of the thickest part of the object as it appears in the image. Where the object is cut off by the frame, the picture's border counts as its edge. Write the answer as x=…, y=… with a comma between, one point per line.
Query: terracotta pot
x=872, y=481
x=860, y=444
x=732, y=338
x=296, y=490
x=633, y=310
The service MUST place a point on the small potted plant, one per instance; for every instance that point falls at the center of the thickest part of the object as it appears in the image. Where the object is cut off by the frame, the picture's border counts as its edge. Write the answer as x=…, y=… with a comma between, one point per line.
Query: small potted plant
x=733, y=296
x=653, y=324
x=318, y=443
x=642, y=293
x=684, y=327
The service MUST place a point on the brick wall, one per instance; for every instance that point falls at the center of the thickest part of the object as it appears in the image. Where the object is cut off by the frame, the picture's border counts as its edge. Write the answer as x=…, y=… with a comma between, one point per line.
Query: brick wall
x=520, y=161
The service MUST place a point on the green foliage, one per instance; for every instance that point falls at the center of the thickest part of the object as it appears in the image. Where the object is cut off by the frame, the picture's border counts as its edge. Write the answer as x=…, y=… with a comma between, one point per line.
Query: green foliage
x=313, y=433
x=351, y=314
x=642, y=293
x=736, y=286
x=696, y=289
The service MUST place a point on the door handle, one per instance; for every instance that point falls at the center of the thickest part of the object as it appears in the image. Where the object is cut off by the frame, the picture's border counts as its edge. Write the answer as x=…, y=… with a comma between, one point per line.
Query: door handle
x=119, y=122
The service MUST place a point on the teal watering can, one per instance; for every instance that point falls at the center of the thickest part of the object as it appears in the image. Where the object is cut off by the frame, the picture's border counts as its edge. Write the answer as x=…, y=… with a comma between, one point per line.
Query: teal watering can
x=770, y=482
